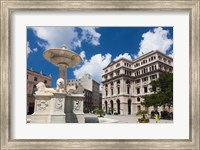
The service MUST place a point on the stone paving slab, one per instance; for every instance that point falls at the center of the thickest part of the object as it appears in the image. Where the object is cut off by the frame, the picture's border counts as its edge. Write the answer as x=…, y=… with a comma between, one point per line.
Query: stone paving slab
x=126, y=118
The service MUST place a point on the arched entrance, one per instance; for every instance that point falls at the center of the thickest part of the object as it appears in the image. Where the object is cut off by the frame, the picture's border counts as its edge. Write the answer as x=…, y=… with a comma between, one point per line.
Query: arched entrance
x=118, y=106
x=129, y=107
x=138, y=108
x=106, y=106
x=111, y=104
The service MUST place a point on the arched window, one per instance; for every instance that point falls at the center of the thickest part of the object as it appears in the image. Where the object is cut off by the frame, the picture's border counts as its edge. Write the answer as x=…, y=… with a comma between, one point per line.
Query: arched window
x=106, y=106
x=118, y=106
x=138, y=108
x=112, y=108
x=129, y=106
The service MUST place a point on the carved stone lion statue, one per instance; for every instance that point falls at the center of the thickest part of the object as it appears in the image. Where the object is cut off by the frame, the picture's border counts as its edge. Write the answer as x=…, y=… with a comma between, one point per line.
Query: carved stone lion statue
x=41, y=89
x=60, y=85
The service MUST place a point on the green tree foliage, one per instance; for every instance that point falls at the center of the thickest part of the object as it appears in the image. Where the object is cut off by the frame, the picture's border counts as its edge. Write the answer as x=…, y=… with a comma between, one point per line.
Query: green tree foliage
x=163, y=91
x=142, y=113
x=100, y=112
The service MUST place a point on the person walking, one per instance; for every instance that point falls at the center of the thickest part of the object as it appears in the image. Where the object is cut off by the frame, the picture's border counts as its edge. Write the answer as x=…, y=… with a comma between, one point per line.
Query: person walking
x=156, y=118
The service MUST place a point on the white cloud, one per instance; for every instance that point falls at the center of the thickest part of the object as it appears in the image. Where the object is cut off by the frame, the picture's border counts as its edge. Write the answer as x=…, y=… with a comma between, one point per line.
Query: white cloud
x=82, y=54
x=155, y=40
x=94, y=67
x=29, y=50
x=89, y=34
x=57, y=36
x=125, y=55
x=42, y=45
x=35, y=49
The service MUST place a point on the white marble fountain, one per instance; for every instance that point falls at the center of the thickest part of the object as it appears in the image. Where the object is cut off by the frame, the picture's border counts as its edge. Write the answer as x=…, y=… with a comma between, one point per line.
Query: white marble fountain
x=56, y=105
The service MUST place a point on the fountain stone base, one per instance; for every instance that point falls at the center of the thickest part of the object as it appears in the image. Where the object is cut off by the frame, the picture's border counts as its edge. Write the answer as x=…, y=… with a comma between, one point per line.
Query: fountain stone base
x=49, y=108
x=74, y=108
x=55, y=106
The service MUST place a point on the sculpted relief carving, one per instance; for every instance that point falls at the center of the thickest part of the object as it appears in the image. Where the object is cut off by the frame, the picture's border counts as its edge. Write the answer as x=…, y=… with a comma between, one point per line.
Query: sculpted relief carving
x=59, y=104
x=77, y=105
x=42, y=105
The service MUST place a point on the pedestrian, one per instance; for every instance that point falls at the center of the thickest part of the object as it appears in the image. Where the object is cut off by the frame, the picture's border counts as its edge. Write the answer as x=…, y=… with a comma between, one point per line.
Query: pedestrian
x=156, y=117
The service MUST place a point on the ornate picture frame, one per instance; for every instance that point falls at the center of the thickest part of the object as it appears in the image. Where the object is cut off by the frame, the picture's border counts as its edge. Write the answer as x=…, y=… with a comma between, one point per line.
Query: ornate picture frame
x=9, y=7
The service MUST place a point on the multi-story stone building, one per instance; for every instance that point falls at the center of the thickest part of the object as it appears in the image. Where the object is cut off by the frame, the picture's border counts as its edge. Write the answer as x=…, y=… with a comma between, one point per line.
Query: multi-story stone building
x=33, y=78
x=126, y=81
x=92, y=96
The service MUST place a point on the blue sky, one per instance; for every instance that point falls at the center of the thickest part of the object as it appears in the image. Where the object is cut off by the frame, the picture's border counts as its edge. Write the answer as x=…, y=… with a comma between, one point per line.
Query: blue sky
x=97, y=46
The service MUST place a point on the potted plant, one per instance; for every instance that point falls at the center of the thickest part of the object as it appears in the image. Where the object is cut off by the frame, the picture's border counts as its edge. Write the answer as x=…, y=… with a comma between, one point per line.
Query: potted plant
x=100, y=112
x=111, y=110
x=142, y=113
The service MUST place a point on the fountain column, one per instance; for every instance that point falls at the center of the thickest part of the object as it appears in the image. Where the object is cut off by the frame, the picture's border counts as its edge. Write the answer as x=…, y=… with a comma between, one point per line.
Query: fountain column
x=63, y=72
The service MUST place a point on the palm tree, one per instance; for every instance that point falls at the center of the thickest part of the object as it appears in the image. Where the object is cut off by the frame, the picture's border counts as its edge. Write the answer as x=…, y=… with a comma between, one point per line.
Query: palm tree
x=143, y=114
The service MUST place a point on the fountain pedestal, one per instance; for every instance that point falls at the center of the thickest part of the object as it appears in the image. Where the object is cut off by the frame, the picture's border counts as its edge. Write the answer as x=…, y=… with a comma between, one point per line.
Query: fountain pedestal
x=52, y=106
x=74, y=108
x=49, y=107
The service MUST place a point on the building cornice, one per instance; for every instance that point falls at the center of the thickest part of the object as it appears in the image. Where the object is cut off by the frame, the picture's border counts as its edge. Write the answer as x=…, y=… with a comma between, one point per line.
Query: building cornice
x=150, y=53
x=119, y=77
x=120, y=67
x=148, y=73
x=146, y=65
x=114, y=62
x=38, y=74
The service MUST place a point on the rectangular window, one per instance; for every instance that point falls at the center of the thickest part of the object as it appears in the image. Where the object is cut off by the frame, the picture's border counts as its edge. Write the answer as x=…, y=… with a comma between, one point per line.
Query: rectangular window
x=137, y=81
x=45, y=81
x=145, y=89
x=138, y=90
x=111, y=91
x=118, y=90
x=117, y=73
x=35, y=78
x=144, y=79
x=128, y=90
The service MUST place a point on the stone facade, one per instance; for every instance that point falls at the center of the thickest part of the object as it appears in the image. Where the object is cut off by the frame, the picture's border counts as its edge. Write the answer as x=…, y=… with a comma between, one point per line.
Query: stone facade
x=91, y=90
x=125, y=81
x=33, y=78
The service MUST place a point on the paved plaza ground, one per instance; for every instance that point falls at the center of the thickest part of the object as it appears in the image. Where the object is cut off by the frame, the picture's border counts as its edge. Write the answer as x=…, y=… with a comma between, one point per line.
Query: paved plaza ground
x=92, y=118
